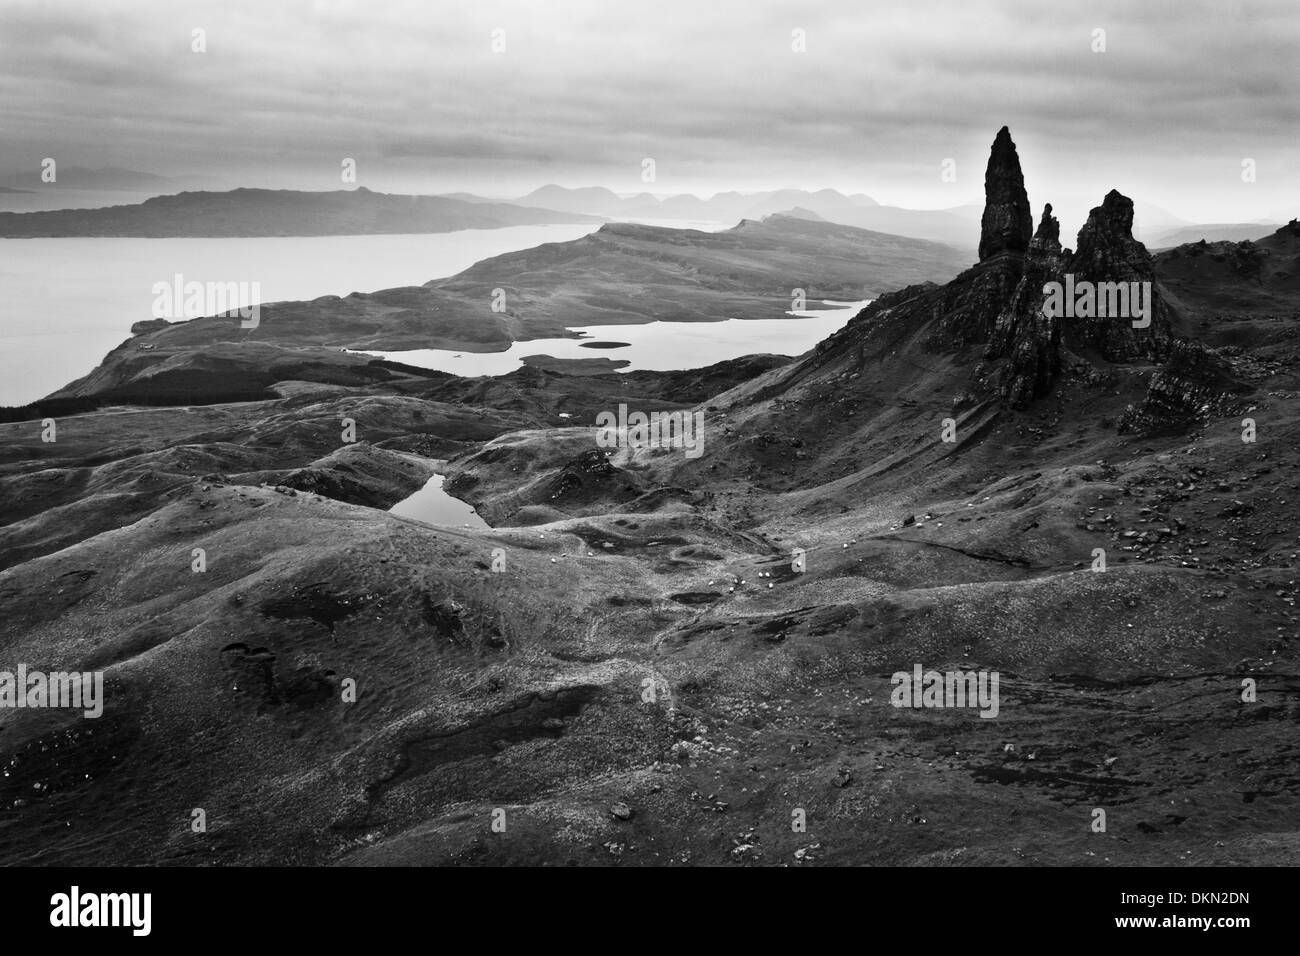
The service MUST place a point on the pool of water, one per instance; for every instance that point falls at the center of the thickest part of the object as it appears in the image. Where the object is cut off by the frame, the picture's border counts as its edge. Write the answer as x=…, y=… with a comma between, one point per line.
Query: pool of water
x=656, y=346
x=434, y=506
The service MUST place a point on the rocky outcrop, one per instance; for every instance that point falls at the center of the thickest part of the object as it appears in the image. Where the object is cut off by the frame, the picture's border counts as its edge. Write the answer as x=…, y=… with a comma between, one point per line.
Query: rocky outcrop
x=148, y=325
x=971, y=309
x=1048, y=236
x=1195, y=384
x=1106, y=239
x=1107, y=254
x=1109, y=305
x=1023, y=356
x=1005, y=339
x=1007, y=224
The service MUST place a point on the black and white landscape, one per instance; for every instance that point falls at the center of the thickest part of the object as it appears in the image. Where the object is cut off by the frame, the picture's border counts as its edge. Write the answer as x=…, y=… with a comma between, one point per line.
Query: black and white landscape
x=730, y=434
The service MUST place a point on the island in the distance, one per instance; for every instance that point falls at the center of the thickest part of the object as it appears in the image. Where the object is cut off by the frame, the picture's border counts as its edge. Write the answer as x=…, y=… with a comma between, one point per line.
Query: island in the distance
x=248, y=213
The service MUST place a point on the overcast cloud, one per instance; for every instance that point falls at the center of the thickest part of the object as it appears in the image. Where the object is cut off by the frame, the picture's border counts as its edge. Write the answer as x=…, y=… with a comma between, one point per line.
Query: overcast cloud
x=710, y=89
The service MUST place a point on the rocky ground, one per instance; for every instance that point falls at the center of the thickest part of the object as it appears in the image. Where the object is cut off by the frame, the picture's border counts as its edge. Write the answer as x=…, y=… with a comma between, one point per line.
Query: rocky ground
x=649, y=681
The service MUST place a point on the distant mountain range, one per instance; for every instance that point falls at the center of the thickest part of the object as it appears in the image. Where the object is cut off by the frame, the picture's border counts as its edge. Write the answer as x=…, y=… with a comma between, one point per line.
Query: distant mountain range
x=722, y=206
x=858, y=209
x=82, y=177
x=280, y=212
x=268, y=212
x=1156, y=226
x=1217, y=232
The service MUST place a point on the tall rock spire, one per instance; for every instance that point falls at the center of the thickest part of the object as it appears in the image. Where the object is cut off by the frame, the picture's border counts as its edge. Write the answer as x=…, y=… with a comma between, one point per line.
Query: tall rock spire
x=1007, y=224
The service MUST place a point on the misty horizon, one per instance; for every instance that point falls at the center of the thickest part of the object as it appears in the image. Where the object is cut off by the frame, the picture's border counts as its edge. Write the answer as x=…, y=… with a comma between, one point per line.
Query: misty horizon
x=1071, y=214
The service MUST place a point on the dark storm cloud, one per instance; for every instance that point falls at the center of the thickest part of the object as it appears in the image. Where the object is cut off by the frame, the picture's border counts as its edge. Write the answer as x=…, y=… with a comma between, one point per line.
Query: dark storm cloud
x=712, y=91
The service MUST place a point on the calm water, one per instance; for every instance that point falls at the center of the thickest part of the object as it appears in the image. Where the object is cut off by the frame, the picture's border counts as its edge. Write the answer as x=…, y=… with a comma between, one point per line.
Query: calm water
x=66, y=303
x=657, y=346
x=432, y=505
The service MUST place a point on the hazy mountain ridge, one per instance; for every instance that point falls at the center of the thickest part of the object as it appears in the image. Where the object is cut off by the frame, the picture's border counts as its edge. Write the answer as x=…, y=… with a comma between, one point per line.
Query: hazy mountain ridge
x=721, y=207
x=279, y=212
x=1213, y=232
x=857, y=209
x=82, y=177
x=1157, y=227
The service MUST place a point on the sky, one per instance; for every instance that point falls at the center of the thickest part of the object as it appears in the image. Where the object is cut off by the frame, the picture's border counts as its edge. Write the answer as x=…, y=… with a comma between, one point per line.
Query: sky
x=581, y=92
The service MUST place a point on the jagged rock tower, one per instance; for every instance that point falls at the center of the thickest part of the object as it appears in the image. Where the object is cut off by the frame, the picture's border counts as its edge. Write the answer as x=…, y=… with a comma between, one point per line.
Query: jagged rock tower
x=1026, y=348
x=1107, y=252
x=991, y=318
x=1007, y=225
